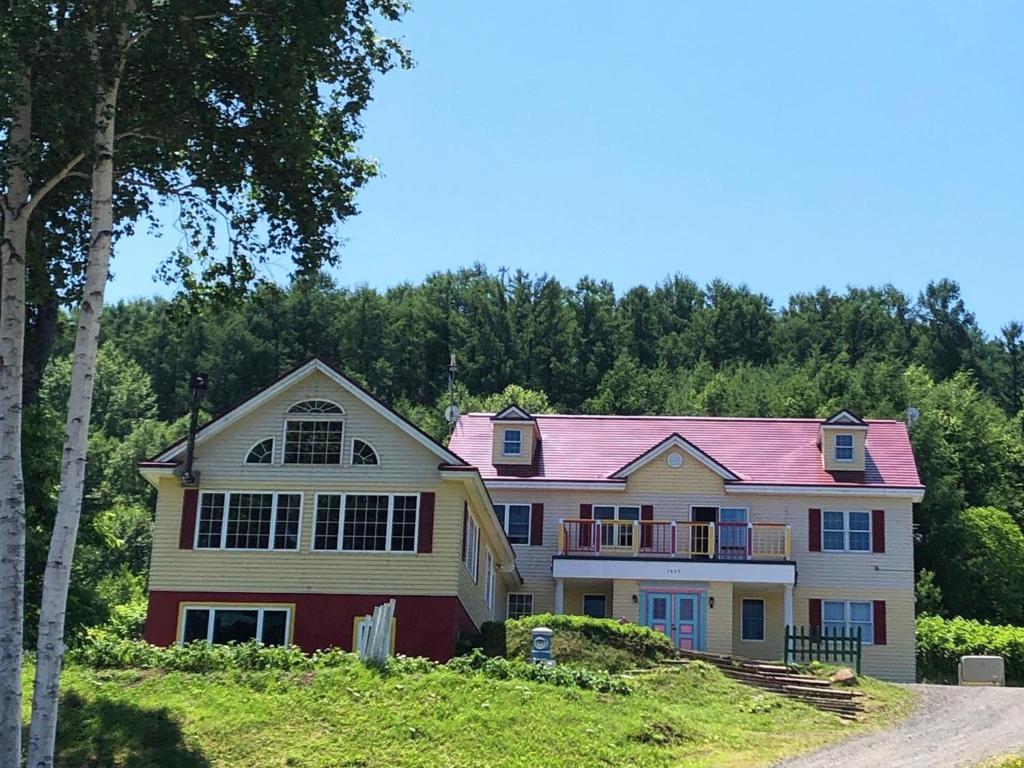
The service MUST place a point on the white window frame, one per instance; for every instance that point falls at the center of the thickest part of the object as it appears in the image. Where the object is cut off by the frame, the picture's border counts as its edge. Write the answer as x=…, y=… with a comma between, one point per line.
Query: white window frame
x=848, y=624
x=341, y=523
x=489, y=580
x=508, y=604
x=764, y=620
x=258, y=607
x=504, y=520
x=505, y=441
x=273, y=452
x=846, y=531
x=289, y=417
x=625, y=534
x=472, y=547
x=836, y=446
x=352, y=454
x=224, y=522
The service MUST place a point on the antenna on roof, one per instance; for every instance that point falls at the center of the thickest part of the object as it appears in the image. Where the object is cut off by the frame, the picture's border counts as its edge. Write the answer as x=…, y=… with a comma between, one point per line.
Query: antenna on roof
x=451, y=413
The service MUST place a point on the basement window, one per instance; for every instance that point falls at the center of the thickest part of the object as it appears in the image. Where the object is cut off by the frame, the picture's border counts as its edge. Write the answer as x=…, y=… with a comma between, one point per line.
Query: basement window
x=236, y=624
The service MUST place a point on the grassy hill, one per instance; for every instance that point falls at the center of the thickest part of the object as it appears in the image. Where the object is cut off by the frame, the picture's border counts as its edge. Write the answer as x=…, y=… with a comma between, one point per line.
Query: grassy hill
x=349, y=715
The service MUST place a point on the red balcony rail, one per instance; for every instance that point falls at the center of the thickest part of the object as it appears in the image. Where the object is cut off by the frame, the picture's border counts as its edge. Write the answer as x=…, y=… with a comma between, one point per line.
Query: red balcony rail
x=671, y=538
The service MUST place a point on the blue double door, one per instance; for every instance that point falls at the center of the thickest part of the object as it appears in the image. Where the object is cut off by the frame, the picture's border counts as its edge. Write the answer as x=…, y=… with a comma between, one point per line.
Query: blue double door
x=680, y=615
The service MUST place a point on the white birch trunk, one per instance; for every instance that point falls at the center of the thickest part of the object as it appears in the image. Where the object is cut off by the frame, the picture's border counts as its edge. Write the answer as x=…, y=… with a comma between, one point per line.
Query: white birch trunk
x=50, y=646
x=12, y=484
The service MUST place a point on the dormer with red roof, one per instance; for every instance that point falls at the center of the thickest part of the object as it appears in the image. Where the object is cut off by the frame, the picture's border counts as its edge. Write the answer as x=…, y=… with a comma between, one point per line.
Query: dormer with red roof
x=515, y=437
x=842, y=439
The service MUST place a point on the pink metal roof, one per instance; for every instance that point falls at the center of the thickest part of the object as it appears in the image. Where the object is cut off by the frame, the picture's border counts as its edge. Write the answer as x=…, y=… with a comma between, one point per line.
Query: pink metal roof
x=759, y=451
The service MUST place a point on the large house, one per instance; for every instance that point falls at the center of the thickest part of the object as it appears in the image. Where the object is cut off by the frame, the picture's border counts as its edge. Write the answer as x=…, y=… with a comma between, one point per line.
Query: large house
x=313, y=501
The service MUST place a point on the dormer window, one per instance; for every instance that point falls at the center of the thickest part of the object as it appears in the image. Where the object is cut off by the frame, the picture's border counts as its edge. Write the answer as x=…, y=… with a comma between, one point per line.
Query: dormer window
x=512, y=442
x=844, y=447
x=313, y=433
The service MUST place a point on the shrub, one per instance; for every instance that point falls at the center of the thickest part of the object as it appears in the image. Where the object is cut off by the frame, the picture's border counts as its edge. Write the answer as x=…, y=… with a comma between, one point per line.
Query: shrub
x=594, y=643
x=562, y=675
x=103, y=651
x=941, y=643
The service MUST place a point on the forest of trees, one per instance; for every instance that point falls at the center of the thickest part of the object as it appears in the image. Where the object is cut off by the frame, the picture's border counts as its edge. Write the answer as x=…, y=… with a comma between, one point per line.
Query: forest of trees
x=675, y=348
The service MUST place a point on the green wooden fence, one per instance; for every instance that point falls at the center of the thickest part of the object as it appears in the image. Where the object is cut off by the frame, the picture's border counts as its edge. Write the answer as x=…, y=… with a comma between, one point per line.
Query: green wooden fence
x=805, y=644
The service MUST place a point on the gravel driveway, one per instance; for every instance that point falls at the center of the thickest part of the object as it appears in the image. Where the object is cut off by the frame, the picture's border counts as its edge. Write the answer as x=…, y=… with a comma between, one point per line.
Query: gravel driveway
x=950, y=726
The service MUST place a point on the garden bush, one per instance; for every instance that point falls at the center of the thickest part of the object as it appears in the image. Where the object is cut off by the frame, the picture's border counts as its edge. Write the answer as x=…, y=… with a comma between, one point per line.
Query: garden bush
x=941, y=643
x=593, y=643
x=562, y=675
x=103, y=651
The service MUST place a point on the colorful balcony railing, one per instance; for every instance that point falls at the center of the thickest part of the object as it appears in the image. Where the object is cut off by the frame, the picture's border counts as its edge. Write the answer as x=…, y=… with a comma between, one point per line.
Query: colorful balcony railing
x=675, y=538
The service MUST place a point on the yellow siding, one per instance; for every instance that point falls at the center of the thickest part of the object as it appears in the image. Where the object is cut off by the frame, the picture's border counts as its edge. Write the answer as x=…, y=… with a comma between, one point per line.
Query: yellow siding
x=497, y=444
x=656, y=476
x=828, y=448
x=892, y=661
x=406, y=467
x=576, y=589
x=472, y=592
x=719, y=631
x=623, y=606
x=771, y=647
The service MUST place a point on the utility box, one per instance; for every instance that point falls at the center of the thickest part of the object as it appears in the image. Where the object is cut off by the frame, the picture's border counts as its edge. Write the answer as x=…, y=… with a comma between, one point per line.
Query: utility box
x=982, y=670
x=540, y=646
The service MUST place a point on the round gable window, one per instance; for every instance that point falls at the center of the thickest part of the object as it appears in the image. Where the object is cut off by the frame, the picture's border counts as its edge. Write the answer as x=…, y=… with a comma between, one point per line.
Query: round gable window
x=675, y=460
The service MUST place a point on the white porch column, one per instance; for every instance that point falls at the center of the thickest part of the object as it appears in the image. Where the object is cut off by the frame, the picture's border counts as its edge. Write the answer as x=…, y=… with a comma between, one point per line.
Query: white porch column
x=787, y=610
x=559, y=596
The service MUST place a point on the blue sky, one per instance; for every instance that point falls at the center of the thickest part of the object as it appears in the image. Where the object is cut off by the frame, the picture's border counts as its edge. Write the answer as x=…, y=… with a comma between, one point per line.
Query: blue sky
x=784, y=145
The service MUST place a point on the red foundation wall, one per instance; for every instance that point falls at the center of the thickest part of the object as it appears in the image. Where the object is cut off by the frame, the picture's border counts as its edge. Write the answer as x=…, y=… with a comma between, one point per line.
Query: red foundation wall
x=425, y=625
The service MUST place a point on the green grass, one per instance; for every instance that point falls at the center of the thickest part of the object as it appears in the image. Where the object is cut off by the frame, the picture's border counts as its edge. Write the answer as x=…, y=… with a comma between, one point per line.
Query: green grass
x=354, y=716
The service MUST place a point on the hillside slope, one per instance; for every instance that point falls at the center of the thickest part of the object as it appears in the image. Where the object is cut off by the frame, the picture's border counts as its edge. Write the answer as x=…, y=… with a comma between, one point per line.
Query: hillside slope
x=358, y=717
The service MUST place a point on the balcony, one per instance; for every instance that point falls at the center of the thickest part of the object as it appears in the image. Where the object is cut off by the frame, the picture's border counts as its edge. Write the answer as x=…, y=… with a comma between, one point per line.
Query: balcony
x=669, y=539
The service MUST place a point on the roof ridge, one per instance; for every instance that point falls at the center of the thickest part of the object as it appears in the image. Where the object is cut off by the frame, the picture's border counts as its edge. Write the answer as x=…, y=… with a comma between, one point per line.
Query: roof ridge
x=666, y=417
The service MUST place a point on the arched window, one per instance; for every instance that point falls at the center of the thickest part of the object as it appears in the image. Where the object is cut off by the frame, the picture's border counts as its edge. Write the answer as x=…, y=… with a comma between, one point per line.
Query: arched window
x=363, y=453
x=317, y=407
x=261, y=453
x=313, y=433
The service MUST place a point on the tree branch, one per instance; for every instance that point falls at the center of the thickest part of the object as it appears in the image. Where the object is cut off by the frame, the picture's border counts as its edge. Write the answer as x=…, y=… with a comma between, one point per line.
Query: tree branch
x=53, y=181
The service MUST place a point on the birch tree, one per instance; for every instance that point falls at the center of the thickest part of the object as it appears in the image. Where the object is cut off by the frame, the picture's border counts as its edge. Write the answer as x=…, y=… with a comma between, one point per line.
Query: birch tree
x=245, y=114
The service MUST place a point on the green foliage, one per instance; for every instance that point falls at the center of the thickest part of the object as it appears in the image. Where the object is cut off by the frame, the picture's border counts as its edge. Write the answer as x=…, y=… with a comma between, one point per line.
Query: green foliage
x=111, y=648
x=595, y=643
x=566, y=676
x=986, y=579
x=941, y=643
x=927, y=594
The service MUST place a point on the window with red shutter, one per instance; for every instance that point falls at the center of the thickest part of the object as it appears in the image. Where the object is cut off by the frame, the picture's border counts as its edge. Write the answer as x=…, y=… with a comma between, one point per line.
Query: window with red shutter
x=814, y=530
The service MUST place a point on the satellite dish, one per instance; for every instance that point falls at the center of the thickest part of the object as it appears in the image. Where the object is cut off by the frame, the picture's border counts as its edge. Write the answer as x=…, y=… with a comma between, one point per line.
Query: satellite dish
x=913, y=415
x=451, y=413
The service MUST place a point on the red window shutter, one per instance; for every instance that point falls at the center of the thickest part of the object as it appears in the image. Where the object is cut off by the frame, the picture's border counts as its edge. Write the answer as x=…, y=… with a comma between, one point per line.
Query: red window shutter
x=425, y=545
x=878, y=530
x=586, y=513
x=189, y=505
x=646, y=531
x=536, y=525
x=465, y=527
x=814, y=530
x=878, y=619
x=814, y=612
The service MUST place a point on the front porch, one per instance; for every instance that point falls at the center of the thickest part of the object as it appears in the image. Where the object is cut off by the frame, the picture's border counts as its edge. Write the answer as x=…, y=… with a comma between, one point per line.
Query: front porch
x=733, y=618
